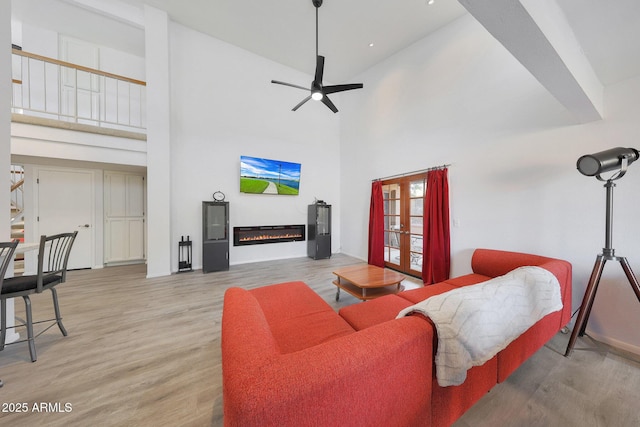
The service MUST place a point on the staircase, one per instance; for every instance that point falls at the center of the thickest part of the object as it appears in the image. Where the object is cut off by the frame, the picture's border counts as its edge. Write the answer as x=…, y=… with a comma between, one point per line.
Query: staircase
x=17, y=217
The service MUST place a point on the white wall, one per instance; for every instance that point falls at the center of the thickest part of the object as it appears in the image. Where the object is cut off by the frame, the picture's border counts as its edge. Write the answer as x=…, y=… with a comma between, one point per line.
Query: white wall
x=45, y=42
x=458, y=97
x=5, y=115
x=224, y=106
x=159, y=173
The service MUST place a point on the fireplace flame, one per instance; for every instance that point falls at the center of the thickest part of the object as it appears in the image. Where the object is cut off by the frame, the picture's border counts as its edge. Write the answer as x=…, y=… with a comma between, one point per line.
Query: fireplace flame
x=270, y=236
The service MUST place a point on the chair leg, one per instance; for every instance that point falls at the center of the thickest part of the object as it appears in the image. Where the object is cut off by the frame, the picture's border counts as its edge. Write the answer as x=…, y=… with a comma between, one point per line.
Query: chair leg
x=54, y=293
x=30, y=338
x=3, y=323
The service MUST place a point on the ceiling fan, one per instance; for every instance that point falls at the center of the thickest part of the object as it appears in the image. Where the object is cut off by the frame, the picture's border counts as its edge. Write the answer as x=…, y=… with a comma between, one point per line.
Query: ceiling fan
x=318, y=92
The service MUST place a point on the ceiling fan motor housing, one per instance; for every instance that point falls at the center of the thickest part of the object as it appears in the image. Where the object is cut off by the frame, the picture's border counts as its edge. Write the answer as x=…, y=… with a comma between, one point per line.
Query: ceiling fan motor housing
x=317, y=3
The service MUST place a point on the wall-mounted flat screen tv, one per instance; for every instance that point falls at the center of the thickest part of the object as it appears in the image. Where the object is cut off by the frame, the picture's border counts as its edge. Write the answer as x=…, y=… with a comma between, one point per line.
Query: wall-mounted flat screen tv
x=265, y=176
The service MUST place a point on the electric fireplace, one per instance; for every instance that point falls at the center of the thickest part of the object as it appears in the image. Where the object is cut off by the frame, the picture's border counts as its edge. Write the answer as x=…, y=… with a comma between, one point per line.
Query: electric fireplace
x=257, y=235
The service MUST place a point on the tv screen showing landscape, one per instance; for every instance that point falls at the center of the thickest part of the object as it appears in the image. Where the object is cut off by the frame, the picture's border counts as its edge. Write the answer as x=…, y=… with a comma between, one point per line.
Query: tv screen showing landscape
x=264, y=176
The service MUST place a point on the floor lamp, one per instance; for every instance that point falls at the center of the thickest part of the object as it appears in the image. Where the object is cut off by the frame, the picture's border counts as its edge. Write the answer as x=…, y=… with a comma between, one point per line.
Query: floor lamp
x=615, y=159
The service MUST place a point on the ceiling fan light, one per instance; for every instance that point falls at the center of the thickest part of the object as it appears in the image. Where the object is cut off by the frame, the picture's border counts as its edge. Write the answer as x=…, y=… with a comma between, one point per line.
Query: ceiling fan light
x=316, y=96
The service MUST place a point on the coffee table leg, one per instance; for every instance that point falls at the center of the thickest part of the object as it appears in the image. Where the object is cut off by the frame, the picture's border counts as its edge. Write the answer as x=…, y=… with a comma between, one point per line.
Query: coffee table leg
x=337, y=294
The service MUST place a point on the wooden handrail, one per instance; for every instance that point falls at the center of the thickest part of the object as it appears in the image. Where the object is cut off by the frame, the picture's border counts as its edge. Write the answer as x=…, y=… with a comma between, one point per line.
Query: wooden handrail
x=17, y=184
x=77, y=67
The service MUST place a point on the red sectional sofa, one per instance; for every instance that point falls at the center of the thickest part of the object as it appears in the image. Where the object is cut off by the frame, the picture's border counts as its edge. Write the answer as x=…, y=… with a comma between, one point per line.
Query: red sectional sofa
x=288, y=359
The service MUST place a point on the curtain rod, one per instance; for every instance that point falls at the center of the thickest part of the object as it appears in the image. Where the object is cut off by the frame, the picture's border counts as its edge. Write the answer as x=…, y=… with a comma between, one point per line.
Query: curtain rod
x=413, y=173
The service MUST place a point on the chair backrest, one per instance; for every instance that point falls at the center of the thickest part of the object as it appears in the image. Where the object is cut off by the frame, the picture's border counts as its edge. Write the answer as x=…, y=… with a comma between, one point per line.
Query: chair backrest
x=7, y=250
x=53, y=256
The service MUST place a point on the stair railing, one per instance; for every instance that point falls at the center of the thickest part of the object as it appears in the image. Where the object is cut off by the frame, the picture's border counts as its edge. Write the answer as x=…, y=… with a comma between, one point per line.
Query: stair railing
x=17, y=193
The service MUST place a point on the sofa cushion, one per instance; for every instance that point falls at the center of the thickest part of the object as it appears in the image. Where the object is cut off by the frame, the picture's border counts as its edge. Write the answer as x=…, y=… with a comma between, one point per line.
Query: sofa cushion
x=467, y=280
x=298, y=317
x=421, y=294
x=373, y=312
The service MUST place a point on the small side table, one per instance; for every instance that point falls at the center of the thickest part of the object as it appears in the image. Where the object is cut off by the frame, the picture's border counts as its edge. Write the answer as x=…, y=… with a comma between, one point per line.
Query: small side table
x=366, y=281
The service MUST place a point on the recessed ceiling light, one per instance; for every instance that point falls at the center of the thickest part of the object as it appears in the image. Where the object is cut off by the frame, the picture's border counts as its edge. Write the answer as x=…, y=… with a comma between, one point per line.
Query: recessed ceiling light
x=370, y=44
x=430, y=2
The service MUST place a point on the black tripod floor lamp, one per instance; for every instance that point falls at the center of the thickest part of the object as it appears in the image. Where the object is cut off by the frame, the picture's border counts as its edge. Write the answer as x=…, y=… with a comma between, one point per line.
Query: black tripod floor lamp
x=615, y=159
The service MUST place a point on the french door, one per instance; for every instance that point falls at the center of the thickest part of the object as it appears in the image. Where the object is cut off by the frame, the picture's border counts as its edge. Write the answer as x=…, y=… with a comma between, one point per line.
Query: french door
x=403, y=223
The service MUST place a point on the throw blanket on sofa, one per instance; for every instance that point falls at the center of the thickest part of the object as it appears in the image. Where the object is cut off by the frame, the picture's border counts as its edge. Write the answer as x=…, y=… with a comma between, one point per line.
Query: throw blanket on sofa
x=475, y=322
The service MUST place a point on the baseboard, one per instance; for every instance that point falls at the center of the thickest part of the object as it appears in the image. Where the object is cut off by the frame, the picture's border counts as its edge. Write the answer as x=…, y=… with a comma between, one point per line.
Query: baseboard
x=614, y=342
x=354, y=256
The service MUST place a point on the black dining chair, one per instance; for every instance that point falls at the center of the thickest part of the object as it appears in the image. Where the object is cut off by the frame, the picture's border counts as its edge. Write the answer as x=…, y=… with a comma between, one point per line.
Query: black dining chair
x=53, y=256
x=7, y=249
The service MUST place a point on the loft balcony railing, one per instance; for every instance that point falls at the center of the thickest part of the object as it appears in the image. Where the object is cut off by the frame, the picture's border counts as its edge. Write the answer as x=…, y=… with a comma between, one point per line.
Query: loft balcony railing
x=47, y=88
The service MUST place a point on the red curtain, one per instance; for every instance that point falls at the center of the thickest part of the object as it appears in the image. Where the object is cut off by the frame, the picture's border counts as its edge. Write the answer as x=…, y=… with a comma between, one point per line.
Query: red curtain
x=436, y=251
x=376, y=225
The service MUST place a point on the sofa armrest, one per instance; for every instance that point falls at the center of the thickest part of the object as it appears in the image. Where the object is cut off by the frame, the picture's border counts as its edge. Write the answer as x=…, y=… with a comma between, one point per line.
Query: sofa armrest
x=377, y=376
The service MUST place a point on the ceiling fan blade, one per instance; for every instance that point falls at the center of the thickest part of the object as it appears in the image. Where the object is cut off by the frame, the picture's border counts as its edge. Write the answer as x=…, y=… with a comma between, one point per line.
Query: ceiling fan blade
x=319, y=69
x=326, y=101
x=289, y=84
x=342, y=88
x=301, y=103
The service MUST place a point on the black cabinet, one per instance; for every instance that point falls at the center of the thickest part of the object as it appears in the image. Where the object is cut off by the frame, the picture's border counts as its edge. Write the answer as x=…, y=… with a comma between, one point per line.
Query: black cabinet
x=215, y=236
x=319, y=231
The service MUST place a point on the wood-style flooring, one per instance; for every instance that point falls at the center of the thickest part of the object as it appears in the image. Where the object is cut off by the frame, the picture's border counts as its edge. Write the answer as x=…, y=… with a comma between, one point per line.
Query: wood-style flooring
x=146, y=352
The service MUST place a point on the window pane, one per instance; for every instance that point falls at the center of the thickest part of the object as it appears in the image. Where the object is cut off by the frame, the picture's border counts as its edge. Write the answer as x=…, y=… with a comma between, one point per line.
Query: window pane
x=416, y=261
x=416, y=188
x=394, y=240
x=416, y=224
x=417, y=206
x=391, y=191
x=416, y=243
x=392, y=222
x=394, y=255
x=392, y=207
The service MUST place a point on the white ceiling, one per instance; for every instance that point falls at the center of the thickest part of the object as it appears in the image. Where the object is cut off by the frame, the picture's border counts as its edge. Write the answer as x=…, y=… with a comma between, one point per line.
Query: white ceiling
x=284, y=30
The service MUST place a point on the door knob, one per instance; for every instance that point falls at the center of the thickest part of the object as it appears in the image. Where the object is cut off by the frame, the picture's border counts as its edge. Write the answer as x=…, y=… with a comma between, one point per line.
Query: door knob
x=84, y=226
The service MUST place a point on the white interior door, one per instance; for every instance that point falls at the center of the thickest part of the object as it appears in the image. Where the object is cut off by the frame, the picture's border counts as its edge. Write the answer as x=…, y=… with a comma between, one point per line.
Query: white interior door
x=124, y=217
x=66, y=201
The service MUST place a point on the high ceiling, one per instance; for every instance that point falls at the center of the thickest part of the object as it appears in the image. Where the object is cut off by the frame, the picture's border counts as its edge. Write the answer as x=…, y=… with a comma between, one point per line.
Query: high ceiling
x=284, y=30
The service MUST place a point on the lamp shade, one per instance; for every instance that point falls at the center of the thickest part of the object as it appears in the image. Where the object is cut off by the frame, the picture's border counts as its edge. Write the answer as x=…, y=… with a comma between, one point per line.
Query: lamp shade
x=605, y=161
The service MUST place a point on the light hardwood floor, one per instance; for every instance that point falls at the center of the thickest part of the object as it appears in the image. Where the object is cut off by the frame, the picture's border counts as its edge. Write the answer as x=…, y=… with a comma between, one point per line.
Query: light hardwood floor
x=146, y=352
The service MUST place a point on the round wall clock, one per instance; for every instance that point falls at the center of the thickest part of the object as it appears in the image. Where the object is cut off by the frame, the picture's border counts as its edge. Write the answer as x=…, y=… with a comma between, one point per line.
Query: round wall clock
x=218, y=196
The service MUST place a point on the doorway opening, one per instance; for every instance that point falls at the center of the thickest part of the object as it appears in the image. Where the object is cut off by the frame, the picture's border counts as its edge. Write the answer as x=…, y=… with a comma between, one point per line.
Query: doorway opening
x=403, y=222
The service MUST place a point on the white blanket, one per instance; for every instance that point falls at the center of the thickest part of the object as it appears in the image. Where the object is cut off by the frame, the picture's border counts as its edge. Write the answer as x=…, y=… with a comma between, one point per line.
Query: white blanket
x=475, y=322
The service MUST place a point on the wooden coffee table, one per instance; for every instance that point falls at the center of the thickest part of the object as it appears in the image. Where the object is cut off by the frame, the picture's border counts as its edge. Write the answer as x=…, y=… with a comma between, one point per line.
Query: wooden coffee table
x=367, y=281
